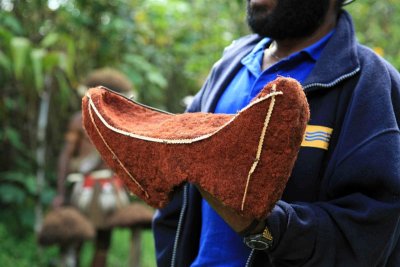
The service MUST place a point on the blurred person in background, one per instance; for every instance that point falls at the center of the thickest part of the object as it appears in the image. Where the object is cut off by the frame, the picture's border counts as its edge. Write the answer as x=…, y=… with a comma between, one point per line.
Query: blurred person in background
x=96, y=191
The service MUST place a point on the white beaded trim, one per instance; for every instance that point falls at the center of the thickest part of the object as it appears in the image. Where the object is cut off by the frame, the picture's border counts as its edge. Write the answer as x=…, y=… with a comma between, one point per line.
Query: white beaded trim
x=173, y=141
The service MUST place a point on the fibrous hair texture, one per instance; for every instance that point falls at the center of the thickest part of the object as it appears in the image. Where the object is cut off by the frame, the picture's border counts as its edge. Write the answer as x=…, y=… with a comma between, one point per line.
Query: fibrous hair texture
x=135, y=215
x=243, y=160
x=65, y=226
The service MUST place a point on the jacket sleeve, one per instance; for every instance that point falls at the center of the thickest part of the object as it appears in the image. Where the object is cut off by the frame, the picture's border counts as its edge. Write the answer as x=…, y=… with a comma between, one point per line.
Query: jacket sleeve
x=195, y=106
x=357, y=220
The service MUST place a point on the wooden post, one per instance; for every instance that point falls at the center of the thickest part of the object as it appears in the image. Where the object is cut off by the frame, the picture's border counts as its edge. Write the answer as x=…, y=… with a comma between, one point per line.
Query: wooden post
x=135, y=247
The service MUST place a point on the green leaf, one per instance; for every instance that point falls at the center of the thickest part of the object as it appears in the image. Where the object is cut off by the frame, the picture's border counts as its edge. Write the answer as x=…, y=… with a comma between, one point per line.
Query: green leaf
x=19, y=48
x=37, y=56
x=5, y=63
x=65, y=89
x=62, y=62
x=30, y=184
x=23, y=180
x=5, y=35
x=10, y=194
x=27, y=217
x=70, y=58
x=50, y=40
x=47, y=196
x=14, y=24
x=12, y=135
x=157, y=78
x=51, y=60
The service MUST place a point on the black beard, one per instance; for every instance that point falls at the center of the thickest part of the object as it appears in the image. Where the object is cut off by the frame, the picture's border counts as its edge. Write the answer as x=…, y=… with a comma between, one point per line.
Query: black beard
x=290, y=19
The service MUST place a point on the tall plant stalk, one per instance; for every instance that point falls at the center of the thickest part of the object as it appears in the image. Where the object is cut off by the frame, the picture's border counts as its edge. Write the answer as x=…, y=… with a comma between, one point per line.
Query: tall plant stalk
x=41, y=153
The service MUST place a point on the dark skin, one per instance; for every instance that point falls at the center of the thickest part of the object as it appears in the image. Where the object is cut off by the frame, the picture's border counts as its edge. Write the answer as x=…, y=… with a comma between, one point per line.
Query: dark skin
x=279, y=49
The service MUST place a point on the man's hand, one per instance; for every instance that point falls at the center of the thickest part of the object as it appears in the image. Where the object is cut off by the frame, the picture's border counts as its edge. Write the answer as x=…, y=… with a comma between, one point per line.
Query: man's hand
x=237, y=222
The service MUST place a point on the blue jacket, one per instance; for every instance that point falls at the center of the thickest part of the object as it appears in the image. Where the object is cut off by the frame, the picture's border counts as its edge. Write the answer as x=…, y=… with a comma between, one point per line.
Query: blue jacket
x=341, y=206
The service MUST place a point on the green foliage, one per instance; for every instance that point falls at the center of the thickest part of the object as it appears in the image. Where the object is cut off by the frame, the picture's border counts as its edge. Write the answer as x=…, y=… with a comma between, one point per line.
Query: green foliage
x=46, y=49
x=32, y=64
x=182, y=39
x=119, y=249
x=23, y=251
x=377, y=26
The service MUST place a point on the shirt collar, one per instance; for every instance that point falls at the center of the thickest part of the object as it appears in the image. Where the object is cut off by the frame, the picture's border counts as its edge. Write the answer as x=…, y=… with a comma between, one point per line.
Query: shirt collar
x=315, y=50
x=253, y=60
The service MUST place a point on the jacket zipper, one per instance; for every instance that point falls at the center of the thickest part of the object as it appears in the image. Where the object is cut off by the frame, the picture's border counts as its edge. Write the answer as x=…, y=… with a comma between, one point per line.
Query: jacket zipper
x=250, y=258
x=180, y=222
x=335, y=82
x=323, y=85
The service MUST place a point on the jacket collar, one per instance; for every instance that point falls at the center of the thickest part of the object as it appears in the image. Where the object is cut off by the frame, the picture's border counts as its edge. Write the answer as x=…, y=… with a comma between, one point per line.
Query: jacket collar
x=339, y=59
x=221, y=77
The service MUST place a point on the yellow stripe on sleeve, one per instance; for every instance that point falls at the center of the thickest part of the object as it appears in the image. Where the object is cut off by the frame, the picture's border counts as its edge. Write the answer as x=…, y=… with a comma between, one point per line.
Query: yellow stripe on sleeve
x=317, y=137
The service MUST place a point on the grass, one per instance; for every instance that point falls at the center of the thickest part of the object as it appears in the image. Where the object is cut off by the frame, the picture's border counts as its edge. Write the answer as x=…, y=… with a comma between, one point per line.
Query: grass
x=23, y=251
x=119, y=251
